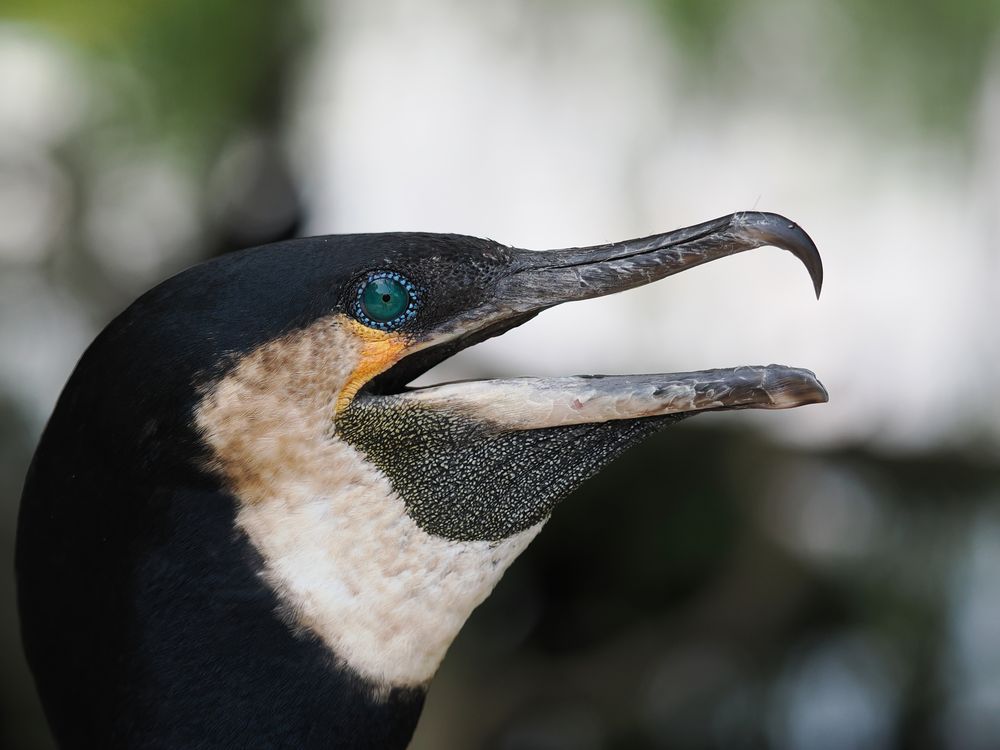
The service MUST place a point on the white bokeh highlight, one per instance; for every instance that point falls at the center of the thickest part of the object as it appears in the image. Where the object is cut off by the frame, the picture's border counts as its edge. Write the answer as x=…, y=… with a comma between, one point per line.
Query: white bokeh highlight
x=545, y=132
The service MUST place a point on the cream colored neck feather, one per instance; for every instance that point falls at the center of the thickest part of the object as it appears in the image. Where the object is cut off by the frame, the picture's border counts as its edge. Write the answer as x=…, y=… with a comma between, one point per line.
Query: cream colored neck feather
x=339, y=549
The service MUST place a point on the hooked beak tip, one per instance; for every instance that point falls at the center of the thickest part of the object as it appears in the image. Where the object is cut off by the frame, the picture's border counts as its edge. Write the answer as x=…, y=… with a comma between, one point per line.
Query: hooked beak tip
x=773, y=229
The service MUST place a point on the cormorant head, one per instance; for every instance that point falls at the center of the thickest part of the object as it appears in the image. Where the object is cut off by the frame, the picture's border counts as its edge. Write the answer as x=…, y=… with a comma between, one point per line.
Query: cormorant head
x=385, y=514
x=382, y=515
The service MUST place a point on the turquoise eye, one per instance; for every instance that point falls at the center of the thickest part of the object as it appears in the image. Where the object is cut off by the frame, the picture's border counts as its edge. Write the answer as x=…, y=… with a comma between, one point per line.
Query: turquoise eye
x=385, y=300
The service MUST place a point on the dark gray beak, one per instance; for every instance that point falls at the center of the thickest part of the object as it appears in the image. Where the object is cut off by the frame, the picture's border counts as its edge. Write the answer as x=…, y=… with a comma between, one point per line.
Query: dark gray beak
x=549, y=278
x=539, y=280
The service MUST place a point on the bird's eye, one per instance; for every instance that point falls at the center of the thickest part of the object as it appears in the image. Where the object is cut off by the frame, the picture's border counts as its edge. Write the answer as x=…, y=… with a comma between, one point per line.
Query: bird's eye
x=386, y=300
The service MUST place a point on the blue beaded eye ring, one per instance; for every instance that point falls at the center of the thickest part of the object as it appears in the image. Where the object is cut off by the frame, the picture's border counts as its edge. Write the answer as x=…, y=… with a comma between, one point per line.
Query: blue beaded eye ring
x=385, y=300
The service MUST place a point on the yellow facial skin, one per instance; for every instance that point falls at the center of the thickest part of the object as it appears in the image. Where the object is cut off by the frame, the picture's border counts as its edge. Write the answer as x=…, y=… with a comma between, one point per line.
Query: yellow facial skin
x=380, y=350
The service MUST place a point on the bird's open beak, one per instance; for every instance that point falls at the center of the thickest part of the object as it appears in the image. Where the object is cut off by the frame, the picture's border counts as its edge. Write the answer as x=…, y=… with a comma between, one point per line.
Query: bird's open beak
x=539, y=280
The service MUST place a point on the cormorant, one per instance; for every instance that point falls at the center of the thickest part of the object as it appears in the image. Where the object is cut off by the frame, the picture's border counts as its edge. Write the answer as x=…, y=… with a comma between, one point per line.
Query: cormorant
x=242, y=529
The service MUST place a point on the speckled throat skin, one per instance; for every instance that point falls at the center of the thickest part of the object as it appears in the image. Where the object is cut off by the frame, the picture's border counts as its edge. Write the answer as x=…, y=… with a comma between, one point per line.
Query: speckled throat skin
x=470, y=480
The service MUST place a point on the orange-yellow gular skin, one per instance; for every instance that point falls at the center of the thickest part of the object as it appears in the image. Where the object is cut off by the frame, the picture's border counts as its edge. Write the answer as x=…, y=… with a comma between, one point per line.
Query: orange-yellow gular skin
x=380, y=350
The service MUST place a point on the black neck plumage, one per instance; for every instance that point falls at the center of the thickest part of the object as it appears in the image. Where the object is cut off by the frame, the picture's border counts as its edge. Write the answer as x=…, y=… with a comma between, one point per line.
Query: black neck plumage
x=156, y=629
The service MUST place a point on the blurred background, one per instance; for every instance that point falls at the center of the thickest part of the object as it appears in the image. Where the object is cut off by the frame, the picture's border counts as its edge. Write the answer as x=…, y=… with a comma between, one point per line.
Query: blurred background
x=823, y=578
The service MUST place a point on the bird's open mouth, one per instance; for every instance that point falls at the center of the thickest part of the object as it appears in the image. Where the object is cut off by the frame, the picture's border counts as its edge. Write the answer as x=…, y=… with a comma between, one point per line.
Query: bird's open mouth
x=539, y=280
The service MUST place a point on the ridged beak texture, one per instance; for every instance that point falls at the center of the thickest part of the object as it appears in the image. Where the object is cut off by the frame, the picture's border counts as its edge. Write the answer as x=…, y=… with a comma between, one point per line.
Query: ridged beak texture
x=539, y=280
x=555, y=276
